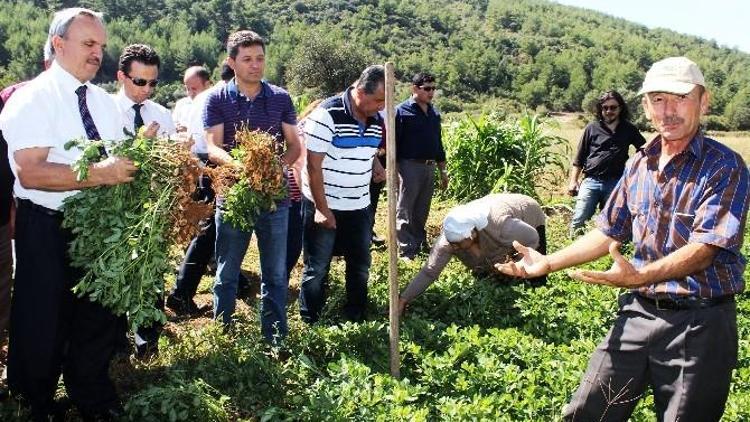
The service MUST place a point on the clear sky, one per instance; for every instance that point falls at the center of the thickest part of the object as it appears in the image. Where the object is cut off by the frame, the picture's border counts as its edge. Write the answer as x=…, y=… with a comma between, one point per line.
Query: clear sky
x=726, y=21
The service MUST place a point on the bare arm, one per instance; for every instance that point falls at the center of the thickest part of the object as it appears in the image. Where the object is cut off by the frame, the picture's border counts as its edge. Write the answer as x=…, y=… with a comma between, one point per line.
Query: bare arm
x=575, y=173
x=378, y=172
x=444, y=179
x=589, y=247
x=323, y=214
x=293, y=144
x=35, y=172
x=215, y=145
x=689, y=259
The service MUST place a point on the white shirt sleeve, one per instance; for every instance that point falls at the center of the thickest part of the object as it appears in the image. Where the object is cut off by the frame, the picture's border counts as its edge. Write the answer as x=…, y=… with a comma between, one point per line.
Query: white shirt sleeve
x=319, y=130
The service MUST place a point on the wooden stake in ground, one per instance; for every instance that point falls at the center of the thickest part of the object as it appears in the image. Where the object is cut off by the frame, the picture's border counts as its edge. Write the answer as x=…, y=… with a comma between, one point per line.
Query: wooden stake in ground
x=390, y=148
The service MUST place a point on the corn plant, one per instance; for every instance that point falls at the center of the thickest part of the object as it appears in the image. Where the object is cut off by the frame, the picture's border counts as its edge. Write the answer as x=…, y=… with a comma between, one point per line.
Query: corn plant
x=476, y=151
x=492, y=155
x=544, y=158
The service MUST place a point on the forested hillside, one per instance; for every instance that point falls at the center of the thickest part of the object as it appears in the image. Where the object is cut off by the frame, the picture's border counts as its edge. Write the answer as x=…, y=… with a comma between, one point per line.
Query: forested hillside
x=515, y=54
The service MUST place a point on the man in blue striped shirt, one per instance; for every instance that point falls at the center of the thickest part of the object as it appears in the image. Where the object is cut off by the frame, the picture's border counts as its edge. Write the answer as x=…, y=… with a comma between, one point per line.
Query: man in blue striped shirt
x=682, y=201
x=342, y=137
x=249, y=100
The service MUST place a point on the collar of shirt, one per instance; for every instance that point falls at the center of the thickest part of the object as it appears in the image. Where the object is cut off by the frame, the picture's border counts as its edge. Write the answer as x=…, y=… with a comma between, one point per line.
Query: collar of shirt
x=695, y=147
x=68, y=82
x=413, y=104
x=346, y=99
x=234, y=91
x=126, y=103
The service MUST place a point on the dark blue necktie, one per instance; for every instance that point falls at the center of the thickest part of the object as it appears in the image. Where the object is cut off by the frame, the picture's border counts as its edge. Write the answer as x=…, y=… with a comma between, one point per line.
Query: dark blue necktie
x=88, y=121
x=138, y=121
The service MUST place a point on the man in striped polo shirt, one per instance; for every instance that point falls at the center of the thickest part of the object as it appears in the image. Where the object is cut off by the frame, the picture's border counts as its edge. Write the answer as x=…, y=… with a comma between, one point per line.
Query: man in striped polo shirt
x=249, y=100
x=342, y=137
x=683, y=203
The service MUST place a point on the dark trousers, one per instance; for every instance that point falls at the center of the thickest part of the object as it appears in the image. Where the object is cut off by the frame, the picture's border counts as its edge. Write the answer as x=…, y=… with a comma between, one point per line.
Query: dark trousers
x=318, y=243
x=294, y=236
x=6, y=279
x=375, y=190
x=198, y=255
x=686, y=356
x=201, y=248
x=51, y=330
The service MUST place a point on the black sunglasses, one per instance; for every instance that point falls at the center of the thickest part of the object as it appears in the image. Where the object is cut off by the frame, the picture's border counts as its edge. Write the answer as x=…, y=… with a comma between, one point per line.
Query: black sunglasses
x=142, y=82
x=428, y=88
x=608, y=108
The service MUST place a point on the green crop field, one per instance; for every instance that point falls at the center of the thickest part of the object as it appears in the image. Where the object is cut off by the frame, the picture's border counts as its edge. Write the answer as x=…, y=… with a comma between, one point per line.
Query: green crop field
x=471, y=349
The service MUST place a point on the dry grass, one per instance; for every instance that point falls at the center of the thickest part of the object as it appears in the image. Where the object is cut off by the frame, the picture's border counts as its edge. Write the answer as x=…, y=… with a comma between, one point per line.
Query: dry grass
x=570, y=126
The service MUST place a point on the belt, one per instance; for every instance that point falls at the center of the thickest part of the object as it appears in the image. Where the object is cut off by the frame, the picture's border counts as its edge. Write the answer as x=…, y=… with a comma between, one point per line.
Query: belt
x=420, y=161
x=688, y=302
x=25, y=203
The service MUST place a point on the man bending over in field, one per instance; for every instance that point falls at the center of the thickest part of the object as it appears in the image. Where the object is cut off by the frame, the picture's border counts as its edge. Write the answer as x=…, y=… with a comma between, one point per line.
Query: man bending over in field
x=481, y=234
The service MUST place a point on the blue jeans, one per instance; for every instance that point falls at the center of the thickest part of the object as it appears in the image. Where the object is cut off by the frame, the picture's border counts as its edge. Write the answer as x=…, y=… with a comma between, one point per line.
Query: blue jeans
x=317, y=246
x=231, y=246
x=592, y=194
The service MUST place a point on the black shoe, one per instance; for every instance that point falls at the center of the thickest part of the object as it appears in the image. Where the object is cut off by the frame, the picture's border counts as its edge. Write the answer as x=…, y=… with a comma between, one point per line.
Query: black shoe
x=377, y=241
x=183, y=307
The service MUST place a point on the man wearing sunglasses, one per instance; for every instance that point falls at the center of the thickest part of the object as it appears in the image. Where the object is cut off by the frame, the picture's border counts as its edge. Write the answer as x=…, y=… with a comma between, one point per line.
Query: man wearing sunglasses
x=138, y=75
x=602, y=153
x=419, y=151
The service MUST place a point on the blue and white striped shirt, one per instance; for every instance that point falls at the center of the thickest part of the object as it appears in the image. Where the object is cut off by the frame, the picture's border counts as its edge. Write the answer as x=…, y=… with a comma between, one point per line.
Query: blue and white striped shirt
x=349, y=147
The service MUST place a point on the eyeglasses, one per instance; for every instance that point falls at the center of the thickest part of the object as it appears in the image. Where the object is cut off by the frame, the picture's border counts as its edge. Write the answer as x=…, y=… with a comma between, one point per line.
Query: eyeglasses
x=428, y=88
x=608, y=108
x=142, y=82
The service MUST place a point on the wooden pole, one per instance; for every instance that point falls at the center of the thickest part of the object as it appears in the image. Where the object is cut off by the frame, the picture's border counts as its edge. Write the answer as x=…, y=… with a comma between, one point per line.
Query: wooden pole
x=390, y=148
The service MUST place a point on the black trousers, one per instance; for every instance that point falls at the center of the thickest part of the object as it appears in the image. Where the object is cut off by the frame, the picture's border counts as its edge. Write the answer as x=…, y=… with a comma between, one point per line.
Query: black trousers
x=52, y=331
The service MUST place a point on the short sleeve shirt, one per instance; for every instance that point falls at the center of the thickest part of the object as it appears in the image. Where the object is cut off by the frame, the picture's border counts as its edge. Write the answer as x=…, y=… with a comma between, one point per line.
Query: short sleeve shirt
x=701, y=196
x=45, y=114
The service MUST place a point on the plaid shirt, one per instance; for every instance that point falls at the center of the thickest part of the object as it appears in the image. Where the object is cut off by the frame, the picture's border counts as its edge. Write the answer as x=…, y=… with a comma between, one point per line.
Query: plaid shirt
x=701, y=196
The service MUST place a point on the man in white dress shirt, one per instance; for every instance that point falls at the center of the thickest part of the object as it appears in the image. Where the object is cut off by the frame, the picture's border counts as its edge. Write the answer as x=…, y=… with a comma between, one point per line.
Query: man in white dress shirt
x=138, y=74
x=196, y=80
x=53, y=331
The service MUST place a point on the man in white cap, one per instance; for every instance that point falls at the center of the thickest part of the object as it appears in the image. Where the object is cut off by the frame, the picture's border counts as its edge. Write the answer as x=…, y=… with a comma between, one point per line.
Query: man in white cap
x=682, y=202
x=481, y=234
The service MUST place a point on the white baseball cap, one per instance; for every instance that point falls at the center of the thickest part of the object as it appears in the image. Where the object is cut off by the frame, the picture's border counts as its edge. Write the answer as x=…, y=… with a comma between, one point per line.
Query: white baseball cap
x=675, y=75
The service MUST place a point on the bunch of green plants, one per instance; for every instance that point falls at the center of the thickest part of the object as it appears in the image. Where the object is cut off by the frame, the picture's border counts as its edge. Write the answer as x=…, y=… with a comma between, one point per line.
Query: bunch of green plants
x=256, y=182
x=122, y=234
x=492, y=154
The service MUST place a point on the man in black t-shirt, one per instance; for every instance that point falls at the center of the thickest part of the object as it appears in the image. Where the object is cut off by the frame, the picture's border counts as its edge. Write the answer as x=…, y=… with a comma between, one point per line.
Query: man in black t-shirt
x=601, y=156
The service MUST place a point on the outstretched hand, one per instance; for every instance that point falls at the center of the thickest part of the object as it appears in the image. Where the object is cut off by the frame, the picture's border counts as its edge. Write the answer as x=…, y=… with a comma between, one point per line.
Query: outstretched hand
x=532, y=263
x=621, y=274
